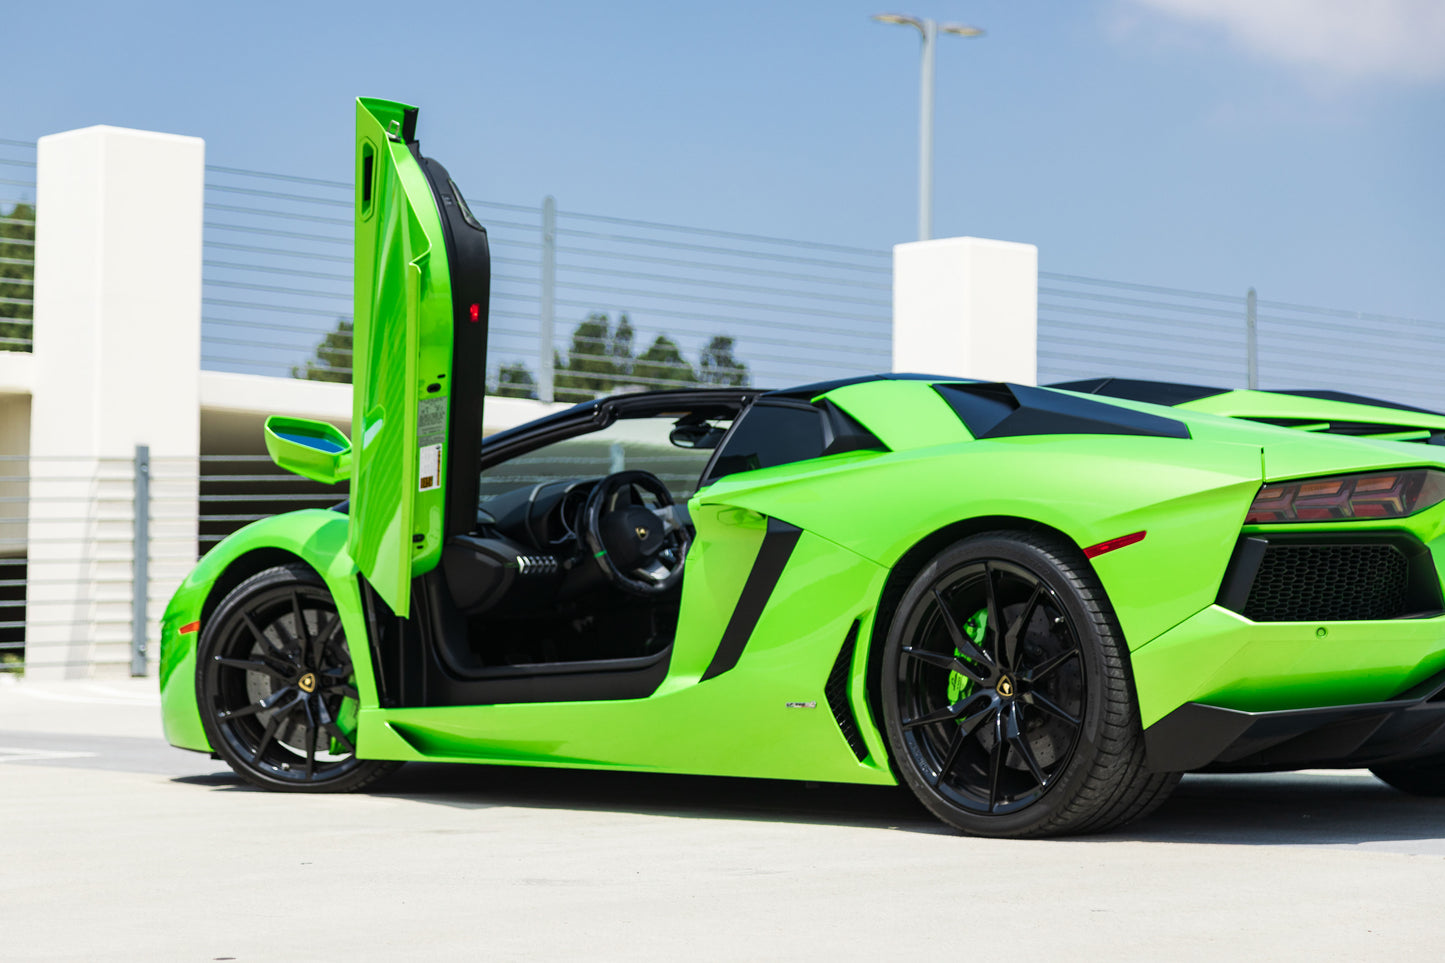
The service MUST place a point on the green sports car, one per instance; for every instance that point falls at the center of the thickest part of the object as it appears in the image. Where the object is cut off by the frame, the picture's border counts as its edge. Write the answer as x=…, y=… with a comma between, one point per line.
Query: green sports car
x=1034, y=606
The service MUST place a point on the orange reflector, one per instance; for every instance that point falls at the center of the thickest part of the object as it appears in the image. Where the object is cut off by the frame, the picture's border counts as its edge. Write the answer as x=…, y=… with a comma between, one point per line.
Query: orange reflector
x=1113, y=543
x=190, y=627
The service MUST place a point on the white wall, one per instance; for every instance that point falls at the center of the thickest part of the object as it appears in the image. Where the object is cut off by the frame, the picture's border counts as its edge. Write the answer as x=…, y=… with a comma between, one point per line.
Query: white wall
x=116, y=364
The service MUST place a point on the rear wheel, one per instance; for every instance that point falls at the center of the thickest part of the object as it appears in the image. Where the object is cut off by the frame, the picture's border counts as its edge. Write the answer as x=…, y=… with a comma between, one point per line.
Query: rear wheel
x=276, y=689
x=1007, y=699
x=1424, y=777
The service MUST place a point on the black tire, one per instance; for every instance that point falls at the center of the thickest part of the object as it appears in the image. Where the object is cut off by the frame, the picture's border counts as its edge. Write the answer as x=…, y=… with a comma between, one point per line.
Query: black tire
x=1418, y=777
x=1007, y=699
x=276, y=689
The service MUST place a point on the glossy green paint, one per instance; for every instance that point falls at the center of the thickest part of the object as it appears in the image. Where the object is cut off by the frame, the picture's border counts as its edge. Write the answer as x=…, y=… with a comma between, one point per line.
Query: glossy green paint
x=737, y=723
x=861, y=513
x=311, y=449
x=1190, y=497
x=1219, y=658
x=403, y=353
x=1267, y=404
x=314, y=536
x=902, y=414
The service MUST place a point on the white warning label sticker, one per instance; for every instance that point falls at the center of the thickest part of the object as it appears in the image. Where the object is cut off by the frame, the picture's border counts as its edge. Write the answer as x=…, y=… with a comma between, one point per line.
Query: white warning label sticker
x=430, y=468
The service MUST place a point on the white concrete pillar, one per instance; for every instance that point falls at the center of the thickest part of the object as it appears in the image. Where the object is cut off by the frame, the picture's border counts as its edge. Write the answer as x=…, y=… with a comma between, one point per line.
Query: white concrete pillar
x=966, y=306
x=117, y=361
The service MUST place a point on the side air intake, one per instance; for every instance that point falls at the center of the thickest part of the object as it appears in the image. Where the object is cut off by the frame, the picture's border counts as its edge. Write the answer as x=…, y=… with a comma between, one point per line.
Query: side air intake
x=837, y=693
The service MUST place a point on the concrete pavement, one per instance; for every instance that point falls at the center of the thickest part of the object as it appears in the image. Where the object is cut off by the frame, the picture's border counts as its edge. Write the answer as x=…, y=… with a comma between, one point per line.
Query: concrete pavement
x=115, y=846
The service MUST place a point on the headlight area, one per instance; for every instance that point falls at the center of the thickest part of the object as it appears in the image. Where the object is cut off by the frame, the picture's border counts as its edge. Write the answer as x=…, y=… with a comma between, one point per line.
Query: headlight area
x=1371, y=495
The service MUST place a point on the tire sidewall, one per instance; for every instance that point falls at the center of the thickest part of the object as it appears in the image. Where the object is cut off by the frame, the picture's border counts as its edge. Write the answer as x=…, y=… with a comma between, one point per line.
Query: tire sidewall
x=1050, y=566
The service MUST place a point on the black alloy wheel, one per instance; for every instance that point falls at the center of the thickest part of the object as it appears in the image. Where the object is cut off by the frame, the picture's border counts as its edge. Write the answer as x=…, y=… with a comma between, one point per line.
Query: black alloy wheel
x=1007, y=699
x=276, y=688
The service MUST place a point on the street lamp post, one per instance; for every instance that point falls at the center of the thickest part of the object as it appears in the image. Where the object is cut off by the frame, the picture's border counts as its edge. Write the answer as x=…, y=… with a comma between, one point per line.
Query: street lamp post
x=930, y=29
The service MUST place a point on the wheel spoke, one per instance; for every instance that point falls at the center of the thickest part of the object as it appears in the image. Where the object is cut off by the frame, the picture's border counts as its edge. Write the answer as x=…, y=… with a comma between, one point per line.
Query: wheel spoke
x=341, y=737
x=994, y=628
x=960, y=639
x=949, y=662
x=253, y=665
x=1015, y=632
x=1036, y=674
x=1015, y=738
x=303, y=637
x=1040, y=701
x=944, y=714
x=255, y=707
x=270, y=734
x=328, y=723
x=327, y=635
x=995, y=762
x=950, y=757
x=311, y=735
x=261, y=637
x=342, y=689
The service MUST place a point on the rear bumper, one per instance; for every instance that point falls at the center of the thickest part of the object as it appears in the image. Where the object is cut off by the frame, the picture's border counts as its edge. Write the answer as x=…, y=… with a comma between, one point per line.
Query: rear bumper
x=1196, y=736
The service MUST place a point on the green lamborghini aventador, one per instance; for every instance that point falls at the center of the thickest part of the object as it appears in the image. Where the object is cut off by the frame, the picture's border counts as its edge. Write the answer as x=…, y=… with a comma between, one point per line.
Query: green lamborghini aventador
x=1034, y=606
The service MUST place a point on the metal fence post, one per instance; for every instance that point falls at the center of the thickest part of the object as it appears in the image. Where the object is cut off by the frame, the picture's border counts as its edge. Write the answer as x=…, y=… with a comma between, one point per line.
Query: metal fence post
x=549, y=290
x=140, y=575
x=1251, y=342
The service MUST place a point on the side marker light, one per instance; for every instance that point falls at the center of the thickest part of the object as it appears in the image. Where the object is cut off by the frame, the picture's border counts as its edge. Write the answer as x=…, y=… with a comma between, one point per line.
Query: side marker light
x=475, y=313
x=1095, y=550
x=190, y=627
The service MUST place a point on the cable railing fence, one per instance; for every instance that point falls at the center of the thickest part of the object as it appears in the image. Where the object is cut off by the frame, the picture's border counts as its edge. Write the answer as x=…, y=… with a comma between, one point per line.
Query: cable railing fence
x=237, y=489
x=1089, y=327
x=582, y=304
x=17, y=244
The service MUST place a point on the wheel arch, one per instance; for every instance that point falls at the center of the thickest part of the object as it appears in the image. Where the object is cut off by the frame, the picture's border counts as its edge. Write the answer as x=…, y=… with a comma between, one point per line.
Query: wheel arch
x=901, y=575
x=242, y=567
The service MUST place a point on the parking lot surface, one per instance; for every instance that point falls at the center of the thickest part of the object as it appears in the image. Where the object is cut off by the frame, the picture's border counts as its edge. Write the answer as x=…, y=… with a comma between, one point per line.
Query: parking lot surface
x=115, y=846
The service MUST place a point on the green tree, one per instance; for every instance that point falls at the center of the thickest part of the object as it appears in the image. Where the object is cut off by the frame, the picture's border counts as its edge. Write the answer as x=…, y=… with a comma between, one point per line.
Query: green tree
x=663, y=366
x=17, y=276
x=598, y=359
x=515, y=381
x=332, y=358
x=718, y=366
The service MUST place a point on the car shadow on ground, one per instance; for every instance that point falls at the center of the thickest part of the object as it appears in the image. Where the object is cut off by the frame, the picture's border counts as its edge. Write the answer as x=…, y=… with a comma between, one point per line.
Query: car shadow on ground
x=1309, y=808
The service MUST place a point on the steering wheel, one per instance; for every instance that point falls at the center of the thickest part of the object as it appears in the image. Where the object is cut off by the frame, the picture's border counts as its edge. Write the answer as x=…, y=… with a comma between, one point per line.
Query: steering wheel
x=640, y=550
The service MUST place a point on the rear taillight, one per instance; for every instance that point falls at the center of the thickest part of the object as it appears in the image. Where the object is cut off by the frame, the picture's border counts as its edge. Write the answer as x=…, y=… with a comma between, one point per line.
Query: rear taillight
x=1386, y=494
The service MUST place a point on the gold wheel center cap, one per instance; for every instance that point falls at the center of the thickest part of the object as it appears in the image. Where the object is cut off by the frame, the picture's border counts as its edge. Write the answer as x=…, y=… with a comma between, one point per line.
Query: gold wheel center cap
x=1005, y=687
x=307, y=683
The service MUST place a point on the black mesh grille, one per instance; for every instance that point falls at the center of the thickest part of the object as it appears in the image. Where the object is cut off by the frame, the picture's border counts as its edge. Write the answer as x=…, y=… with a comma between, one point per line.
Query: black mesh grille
x=1303, y=583
x=837, y=693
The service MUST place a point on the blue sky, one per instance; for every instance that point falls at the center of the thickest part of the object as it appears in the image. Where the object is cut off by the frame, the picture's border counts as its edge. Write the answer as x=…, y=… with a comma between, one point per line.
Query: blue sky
x=1293, y=145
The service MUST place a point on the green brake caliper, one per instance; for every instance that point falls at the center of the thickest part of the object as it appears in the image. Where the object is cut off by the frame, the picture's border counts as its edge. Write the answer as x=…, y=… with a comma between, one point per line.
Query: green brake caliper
x=974, y=627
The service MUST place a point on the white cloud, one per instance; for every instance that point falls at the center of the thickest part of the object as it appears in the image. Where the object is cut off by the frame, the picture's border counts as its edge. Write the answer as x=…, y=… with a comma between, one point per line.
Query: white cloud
x=1338, y=39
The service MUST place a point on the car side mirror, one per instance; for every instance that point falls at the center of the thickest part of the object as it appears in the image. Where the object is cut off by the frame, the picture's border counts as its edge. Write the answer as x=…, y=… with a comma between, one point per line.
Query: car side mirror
x=703, y=437
x=311, y=449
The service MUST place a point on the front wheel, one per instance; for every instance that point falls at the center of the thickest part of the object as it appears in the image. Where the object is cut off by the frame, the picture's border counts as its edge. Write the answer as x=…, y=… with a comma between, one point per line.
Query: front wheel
x=276, y=689
x=1007, y=699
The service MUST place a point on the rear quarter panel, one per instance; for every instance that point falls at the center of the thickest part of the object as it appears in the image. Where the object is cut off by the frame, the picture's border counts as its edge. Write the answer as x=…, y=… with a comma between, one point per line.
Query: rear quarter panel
x=1189, y=496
